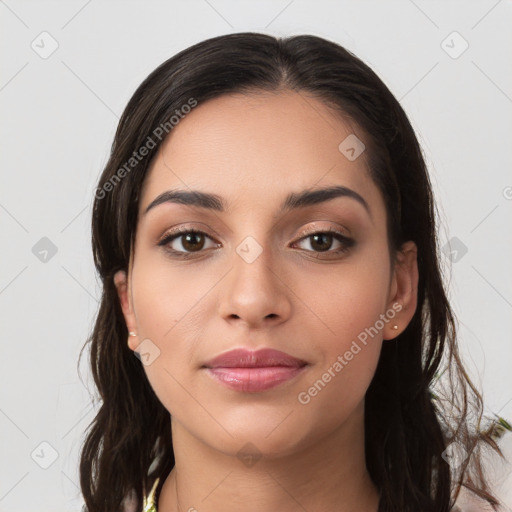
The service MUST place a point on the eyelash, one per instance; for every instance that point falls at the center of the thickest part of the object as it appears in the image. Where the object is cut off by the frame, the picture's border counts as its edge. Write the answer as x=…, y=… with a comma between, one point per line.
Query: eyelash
x=347, y=243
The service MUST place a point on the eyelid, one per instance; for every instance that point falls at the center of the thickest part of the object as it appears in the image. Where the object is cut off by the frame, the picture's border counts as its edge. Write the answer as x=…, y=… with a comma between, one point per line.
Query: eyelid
x=318, y=229
x=175, y=232
x=347, y=243
x=309, y=231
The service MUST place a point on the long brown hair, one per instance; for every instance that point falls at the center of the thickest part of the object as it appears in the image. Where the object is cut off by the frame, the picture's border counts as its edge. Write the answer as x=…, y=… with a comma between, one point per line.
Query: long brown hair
x=408, y=425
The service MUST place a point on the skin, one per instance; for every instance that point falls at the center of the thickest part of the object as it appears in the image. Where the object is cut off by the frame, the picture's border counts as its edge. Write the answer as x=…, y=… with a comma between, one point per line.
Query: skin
x=253, y=150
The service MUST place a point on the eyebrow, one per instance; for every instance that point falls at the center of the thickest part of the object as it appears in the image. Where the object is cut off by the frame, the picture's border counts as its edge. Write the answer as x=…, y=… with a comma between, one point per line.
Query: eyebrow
x=293, y=200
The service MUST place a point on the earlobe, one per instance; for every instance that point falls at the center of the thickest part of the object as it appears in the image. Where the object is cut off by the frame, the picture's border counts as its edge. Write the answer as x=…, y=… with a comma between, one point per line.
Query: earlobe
x=123, y=292
x=404, y=290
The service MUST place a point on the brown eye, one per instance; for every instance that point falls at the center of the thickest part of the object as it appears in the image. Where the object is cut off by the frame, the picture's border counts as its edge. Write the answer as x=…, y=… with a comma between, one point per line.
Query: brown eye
x=322, y=241
x=192, y=241
x=185, y=241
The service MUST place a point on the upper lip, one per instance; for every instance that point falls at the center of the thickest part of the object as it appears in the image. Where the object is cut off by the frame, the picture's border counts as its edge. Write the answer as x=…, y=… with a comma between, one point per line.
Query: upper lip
x=263, y=358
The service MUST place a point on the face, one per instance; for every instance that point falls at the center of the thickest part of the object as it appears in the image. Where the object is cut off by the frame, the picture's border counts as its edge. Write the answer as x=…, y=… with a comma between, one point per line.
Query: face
x=312, y=280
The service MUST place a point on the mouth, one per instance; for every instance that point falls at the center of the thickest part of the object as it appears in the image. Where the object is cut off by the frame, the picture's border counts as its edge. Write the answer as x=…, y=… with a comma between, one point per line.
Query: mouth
x=254, y=371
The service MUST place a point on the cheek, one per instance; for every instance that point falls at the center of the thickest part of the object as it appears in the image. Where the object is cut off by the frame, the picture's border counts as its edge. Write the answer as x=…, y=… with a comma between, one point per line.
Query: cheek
x=167, y=296
x=346, y=360
x=348, y=304
x=346, y=299
x=169, y=307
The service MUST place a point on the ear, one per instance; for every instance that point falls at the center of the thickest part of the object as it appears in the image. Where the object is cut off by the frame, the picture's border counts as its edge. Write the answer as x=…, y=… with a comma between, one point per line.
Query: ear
x=403, y=296
x=124, y=294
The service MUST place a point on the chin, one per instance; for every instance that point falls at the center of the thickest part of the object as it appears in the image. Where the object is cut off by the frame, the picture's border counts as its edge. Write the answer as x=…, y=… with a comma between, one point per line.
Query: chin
x=269, y=437
x=252, y=446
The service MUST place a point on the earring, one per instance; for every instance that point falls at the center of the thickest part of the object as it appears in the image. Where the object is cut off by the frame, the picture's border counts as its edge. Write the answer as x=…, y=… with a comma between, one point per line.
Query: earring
x=130, y=334
x=395, y=327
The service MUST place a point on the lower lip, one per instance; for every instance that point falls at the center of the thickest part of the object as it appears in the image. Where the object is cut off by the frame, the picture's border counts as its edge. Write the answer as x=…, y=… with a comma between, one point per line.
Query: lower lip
x=253, y=380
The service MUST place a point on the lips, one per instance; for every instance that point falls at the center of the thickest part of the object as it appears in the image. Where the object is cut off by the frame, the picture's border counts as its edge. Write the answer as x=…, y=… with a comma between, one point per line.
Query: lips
x=264, y=358
x=254, y=371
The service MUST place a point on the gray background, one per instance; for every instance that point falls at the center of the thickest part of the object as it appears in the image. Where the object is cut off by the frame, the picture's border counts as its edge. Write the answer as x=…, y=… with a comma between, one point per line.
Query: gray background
x=59, y=112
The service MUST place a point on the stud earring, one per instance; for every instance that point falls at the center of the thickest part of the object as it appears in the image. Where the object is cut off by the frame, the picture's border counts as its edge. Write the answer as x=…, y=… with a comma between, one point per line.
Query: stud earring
x=130, y=334
x=395, y=327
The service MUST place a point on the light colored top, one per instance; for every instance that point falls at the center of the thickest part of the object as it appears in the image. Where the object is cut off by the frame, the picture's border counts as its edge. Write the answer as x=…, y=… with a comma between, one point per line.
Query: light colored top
x=149, y=505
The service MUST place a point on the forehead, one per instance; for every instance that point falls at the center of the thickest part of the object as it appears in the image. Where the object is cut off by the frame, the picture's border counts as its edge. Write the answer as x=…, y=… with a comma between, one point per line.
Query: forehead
x=255, y=149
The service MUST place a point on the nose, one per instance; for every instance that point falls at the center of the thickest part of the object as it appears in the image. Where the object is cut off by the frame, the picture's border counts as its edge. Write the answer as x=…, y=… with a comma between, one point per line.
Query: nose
x=255, y=292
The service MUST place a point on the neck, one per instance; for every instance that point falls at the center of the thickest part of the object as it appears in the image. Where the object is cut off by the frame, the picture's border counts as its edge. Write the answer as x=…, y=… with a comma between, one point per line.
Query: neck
x=329, y=475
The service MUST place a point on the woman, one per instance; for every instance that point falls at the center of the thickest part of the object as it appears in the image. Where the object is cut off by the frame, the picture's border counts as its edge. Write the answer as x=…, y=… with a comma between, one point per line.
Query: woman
x=265, y=233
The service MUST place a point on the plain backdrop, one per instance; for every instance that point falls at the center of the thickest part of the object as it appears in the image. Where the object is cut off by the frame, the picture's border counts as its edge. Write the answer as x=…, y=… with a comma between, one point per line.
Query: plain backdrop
x=67, y=72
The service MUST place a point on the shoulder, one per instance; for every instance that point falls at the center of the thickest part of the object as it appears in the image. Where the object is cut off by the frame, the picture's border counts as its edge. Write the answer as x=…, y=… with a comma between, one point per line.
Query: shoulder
x=499, y=474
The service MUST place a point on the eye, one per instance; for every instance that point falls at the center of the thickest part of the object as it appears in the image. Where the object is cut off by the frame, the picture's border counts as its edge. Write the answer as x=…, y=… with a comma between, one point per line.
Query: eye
x=187, y=241
x=322, y=241
x=190, y=240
